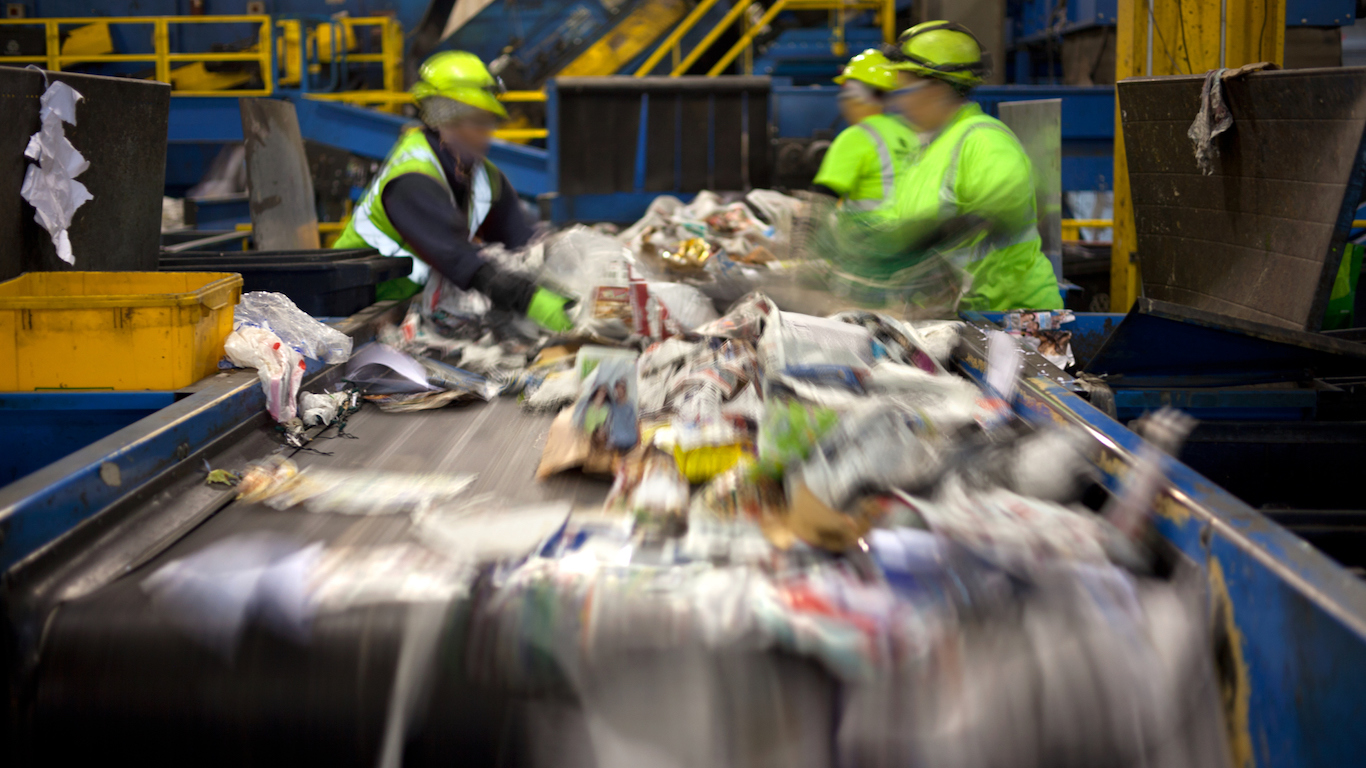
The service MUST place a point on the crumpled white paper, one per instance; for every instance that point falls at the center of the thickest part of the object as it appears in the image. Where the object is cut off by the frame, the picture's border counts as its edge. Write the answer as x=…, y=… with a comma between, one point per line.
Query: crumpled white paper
x=50, y=186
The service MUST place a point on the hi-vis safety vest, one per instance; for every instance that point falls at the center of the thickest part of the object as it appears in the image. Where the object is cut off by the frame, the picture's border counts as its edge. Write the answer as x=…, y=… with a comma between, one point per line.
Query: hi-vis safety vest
x=1008, y=268
x=863, y=162
x=370, y=225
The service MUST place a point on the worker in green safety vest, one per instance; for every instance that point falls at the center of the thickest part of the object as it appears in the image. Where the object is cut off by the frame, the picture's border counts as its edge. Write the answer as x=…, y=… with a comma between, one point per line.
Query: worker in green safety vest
x=862, y=164
x=969, y=192
x=438, y=198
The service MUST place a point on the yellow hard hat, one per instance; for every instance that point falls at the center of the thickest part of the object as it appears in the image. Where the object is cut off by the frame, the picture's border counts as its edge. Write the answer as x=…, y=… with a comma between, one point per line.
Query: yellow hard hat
x=942, y=50
x=871, y=67
x=462, y=77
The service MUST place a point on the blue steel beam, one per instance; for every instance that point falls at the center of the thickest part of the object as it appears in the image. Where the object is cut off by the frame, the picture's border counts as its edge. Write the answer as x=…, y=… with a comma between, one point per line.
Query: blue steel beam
x=39, y=508
x=364, y=132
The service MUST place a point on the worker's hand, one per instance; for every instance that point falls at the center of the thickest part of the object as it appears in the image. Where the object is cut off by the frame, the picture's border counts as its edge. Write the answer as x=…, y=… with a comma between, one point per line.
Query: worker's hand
x=512, y=292
x=549, y=311
x=507, y=291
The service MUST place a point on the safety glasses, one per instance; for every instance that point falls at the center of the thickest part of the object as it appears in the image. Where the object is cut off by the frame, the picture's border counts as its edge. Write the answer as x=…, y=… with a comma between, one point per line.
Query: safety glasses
x=908, y=89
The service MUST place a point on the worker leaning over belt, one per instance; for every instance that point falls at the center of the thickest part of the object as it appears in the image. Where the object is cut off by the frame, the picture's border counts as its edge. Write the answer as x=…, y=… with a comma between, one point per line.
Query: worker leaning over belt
x=862, y=163
x=437, y=192
x=971, y=174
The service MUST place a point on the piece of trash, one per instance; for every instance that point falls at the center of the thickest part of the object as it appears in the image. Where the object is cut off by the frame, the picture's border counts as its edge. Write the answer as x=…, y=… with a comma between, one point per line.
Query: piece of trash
x=262, y=479
x=222, y=477
x=607, y=405
x=366, y=492
x=321, y=409
x=418, y=401
x=276, y=313
x=50, y=184
x=278, y=365
x=484, y=528
x=381, y=369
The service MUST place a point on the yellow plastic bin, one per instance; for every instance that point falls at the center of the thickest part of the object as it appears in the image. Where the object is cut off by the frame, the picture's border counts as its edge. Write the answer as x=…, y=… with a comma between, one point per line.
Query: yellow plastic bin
x=114, y=330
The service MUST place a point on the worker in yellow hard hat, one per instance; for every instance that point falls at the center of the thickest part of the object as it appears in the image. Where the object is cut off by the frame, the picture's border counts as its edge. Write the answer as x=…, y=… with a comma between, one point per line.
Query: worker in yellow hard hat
x=969, y=192
x=862, y=163
x=437, y=197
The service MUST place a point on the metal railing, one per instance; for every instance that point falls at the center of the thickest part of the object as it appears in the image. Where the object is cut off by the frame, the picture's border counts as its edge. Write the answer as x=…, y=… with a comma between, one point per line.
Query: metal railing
x=161, y=56
x=288, y=51
x=839, y=9
x=307, y=50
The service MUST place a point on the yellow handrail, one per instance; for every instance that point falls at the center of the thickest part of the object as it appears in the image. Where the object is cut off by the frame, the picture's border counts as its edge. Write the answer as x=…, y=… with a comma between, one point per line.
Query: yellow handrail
x=747, y=38
x=403, y=97
x=161, y=55
x=671, y=42
x=886, y=10
x=740, y=7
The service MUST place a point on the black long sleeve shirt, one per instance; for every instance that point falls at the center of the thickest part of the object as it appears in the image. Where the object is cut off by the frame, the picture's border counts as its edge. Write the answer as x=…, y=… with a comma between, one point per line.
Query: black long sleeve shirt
x=438, y=232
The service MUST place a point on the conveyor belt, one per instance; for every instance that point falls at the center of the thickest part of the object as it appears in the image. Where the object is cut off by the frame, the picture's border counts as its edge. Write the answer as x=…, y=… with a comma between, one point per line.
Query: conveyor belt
x=116, y=679
x=498, y=441
x=113, y=681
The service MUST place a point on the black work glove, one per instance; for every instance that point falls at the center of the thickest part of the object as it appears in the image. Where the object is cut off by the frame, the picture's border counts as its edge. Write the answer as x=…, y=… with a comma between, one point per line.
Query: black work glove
x=507, y=291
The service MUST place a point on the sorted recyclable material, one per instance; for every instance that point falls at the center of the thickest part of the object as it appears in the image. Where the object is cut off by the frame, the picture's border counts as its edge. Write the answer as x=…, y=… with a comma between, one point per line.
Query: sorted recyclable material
x=222, y=477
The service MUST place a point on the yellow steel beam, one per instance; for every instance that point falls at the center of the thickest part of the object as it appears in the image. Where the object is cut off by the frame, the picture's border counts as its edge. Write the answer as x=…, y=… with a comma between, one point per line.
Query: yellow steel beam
x=403, y=97
x=1186, y=38
x=520, y=133
x=671, y=42
x=625, y=41
x=746, y=38
x=740, y=7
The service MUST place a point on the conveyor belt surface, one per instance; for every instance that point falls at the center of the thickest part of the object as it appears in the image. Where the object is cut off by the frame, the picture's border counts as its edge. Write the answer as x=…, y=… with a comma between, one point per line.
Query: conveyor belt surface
x=117, y=679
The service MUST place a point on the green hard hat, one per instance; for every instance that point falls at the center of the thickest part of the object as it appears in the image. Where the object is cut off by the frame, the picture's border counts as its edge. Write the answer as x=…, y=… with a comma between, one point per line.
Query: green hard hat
x=462, y=77
x=871, y=67
x=942, y=50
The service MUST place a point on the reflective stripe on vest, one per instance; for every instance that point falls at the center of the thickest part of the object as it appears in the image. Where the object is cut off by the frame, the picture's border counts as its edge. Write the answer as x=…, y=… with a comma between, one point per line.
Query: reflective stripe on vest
x=888, y=172
x=481, y=200
x=948, y=207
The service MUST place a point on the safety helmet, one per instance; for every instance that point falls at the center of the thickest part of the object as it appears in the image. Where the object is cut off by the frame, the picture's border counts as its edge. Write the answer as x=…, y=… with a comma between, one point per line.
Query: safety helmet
x=460, y=76
x=871, y=67
x=942, y=50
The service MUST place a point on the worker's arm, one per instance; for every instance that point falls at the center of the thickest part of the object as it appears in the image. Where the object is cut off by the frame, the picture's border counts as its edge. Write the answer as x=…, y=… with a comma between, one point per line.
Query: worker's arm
x=995, y=183
x=843, y=164
x=439, y=233
x=506, y=223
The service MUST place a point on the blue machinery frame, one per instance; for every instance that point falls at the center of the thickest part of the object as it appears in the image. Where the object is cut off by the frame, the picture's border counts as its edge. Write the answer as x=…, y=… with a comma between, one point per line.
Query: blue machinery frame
x=365, y=132
x=1294, y=622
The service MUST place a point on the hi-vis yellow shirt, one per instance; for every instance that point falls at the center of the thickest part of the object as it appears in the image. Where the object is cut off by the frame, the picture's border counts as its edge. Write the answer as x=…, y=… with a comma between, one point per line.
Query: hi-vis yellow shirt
x=863, y=162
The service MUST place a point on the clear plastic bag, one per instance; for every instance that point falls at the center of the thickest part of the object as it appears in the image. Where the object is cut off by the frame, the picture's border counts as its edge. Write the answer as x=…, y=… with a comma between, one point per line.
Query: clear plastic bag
x=277, y=314
x=279, y=366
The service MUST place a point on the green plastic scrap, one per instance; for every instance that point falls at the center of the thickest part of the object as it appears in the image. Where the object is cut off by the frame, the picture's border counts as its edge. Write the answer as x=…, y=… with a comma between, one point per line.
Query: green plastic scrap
x=788, y=434
x=222, y=477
